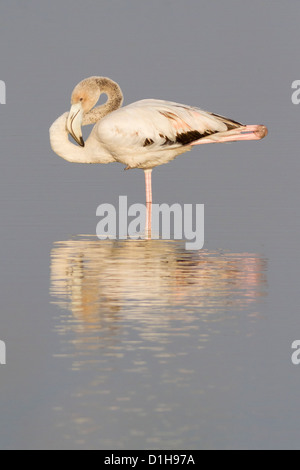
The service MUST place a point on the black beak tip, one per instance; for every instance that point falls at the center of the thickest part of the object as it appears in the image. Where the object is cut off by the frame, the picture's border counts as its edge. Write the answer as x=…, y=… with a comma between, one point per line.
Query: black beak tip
x=79, y=140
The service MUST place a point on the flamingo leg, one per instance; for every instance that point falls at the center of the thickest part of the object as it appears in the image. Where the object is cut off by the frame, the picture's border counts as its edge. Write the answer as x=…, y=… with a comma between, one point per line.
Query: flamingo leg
x=252, y=132
x=148, y=182
x=148, y=186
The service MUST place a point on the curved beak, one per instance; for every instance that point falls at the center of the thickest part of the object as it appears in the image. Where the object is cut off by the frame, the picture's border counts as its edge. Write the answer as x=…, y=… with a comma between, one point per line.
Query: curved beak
x=74, y=123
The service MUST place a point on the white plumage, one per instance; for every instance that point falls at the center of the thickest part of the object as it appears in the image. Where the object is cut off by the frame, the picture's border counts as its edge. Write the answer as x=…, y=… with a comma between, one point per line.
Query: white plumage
x=143, y=135
x=152, y=132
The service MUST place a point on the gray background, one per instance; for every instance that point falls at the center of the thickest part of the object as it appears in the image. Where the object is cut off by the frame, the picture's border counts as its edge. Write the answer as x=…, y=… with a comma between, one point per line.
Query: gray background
x=234, y=58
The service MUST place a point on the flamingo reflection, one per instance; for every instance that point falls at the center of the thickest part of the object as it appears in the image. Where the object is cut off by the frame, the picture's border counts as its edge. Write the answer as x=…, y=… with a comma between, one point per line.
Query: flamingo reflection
x=107, y=281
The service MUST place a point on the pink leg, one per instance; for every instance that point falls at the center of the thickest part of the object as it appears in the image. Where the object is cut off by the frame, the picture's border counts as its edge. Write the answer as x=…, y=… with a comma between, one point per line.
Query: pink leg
x=148, y=229
x=253, y=132
x=148, y=182
x=148, y=186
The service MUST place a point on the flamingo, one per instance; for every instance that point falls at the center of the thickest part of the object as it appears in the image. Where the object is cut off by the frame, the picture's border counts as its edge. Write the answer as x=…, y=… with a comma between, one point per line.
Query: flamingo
x=143, y=134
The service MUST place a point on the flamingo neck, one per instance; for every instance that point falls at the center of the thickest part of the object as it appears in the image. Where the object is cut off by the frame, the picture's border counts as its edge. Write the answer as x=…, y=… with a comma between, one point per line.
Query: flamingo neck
x=114, y=100
x=60, y=142
x=92, y=152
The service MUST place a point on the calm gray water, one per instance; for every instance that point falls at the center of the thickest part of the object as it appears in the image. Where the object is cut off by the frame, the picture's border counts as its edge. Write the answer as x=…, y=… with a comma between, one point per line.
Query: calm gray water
x=137, y=343
x=135, y=319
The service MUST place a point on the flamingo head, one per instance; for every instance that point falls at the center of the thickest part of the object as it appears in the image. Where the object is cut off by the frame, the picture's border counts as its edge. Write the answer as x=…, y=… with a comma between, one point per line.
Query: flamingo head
x=84, y=97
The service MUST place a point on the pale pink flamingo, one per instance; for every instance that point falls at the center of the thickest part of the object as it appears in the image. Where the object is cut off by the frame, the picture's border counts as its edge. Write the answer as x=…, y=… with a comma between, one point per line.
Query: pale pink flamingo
x=143, y=135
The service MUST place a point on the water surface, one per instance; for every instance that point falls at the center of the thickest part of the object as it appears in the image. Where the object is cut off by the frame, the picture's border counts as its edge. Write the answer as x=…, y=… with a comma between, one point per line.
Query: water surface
x=133, y=318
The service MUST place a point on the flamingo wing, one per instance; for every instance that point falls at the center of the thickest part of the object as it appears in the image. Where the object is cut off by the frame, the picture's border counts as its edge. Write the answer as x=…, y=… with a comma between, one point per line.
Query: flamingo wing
x=158, y=125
